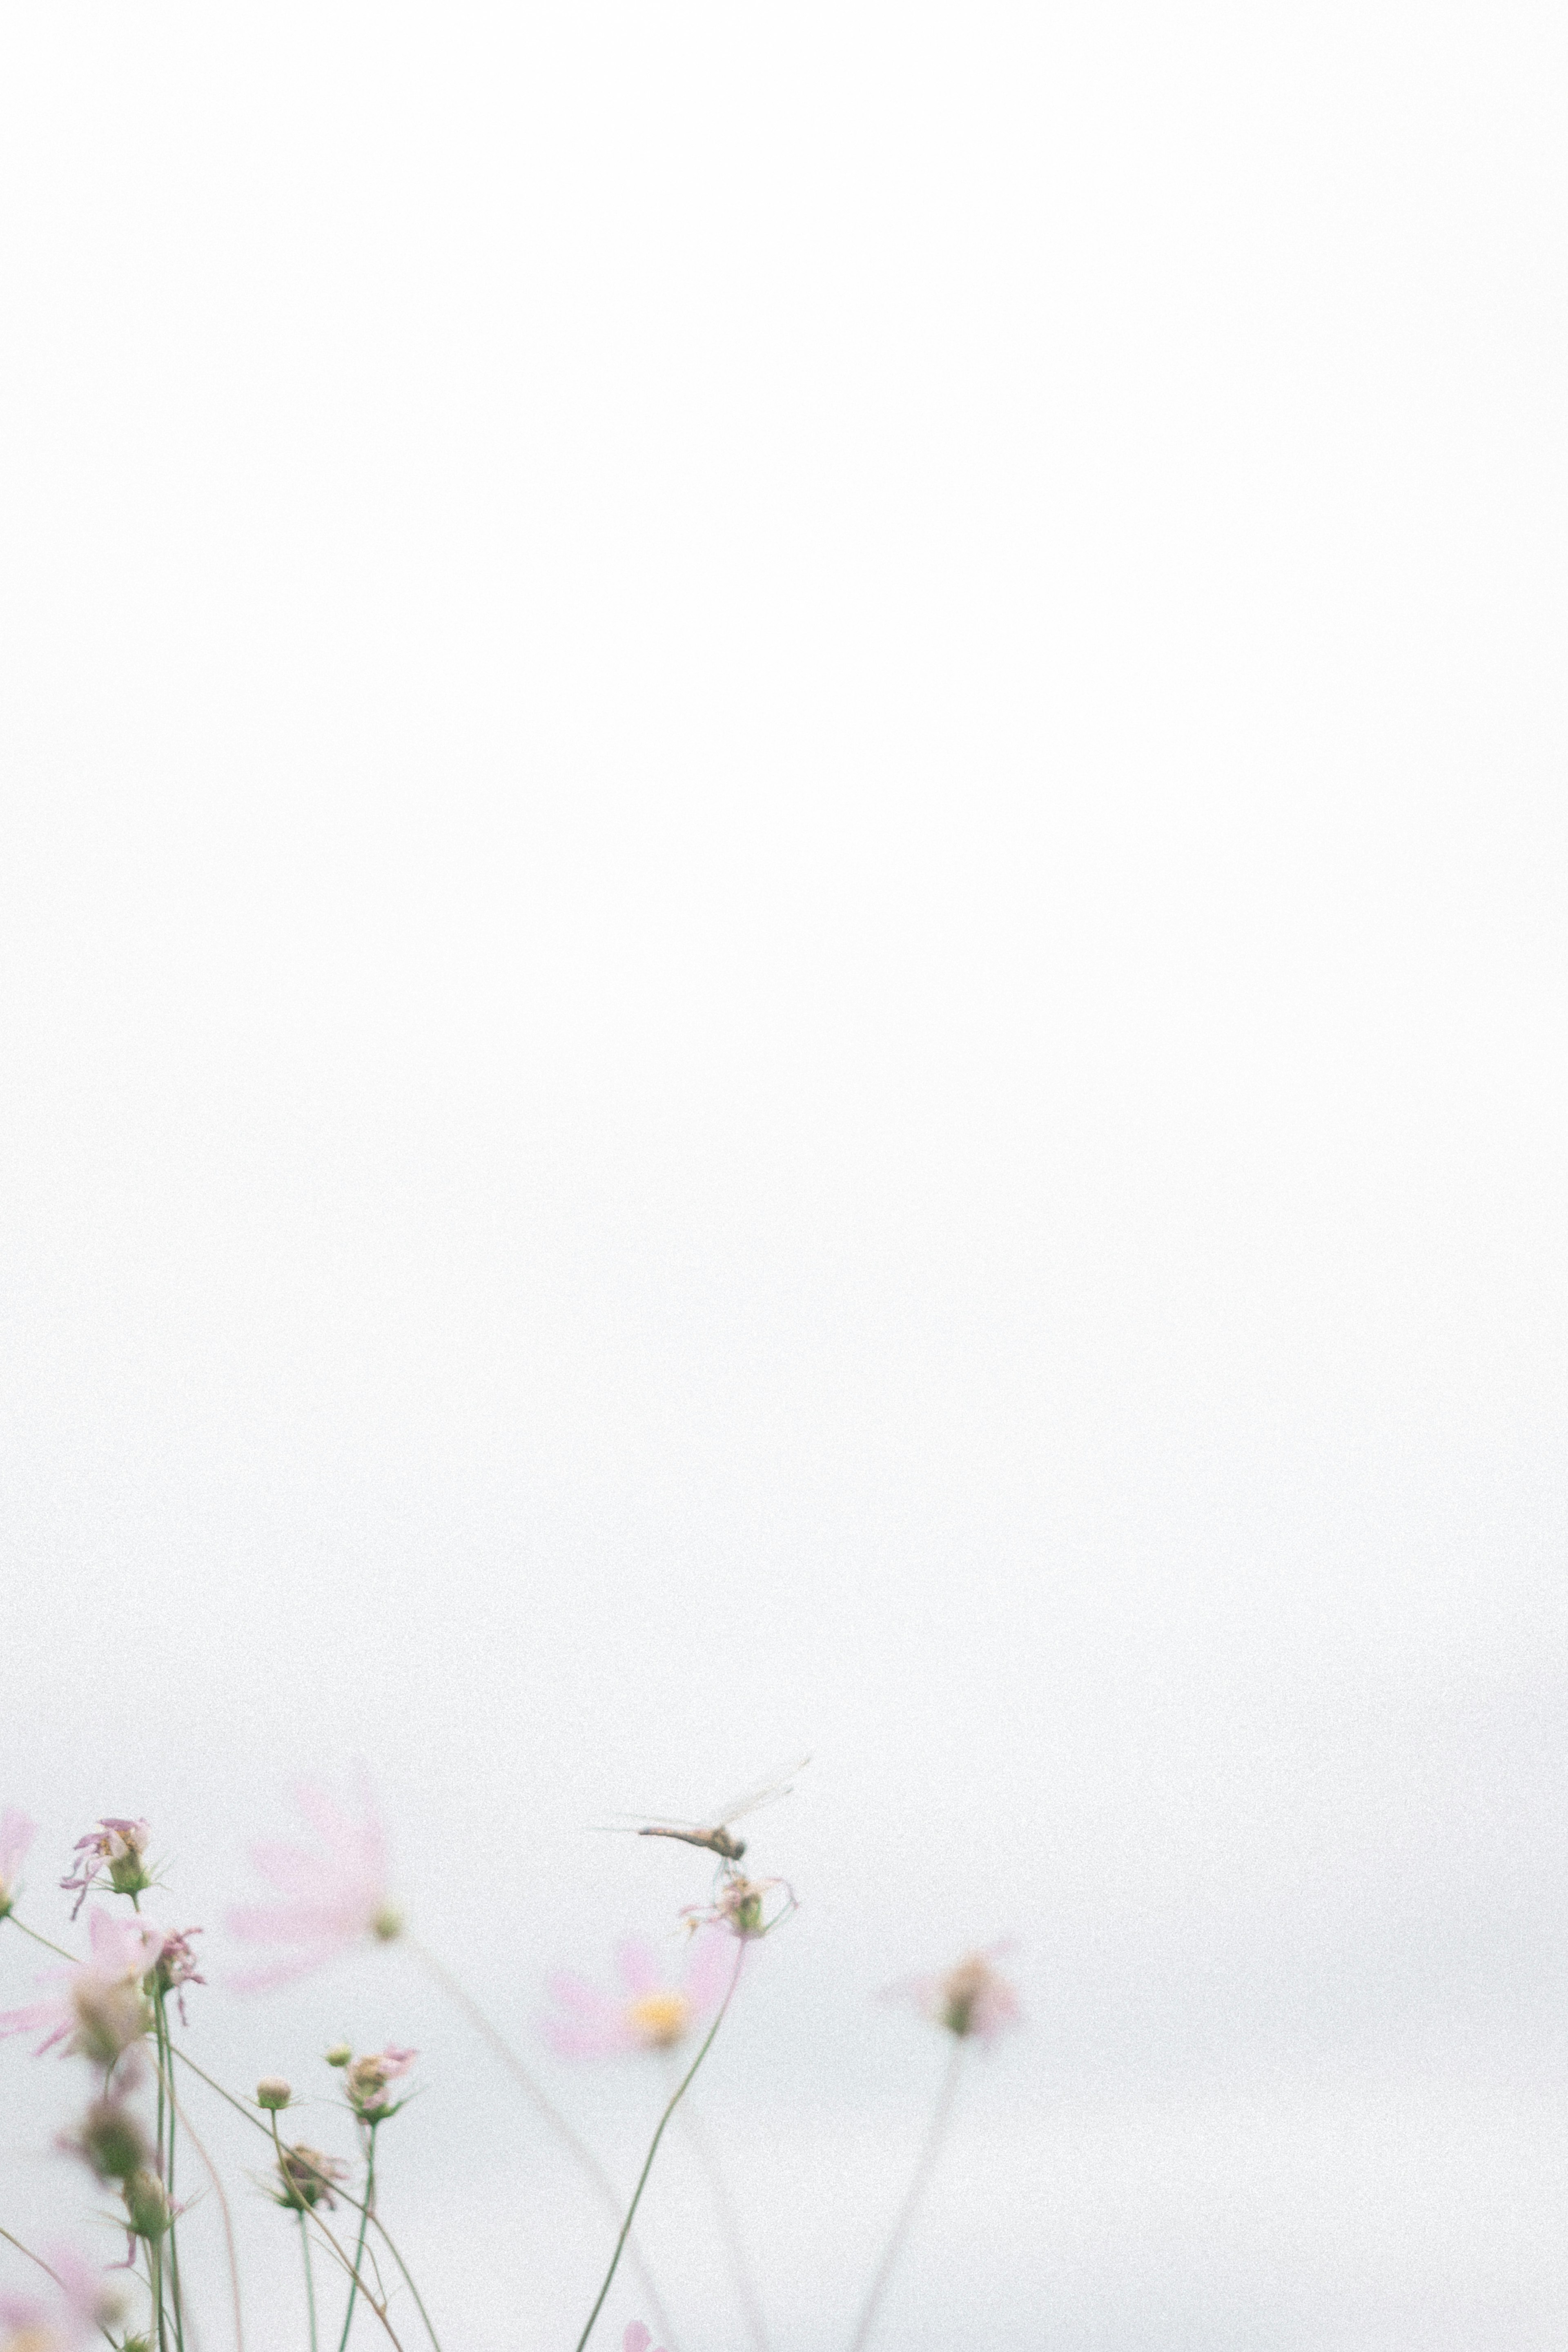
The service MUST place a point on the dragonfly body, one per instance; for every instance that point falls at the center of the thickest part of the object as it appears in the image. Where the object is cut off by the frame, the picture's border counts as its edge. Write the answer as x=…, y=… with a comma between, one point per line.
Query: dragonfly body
x=717, y=1840
x=715, y=1835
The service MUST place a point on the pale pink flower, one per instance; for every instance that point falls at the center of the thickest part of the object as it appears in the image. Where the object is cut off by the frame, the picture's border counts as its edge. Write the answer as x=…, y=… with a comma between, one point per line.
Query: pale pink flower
x=365, y=2082
x=17, y=1834
x=331, y=1899
x=970, y=1998
x=83, y=2303
x=647, y=2014
x=637, y=2337
x=177, y=1966
x=101, y=2008
x=116, y=1848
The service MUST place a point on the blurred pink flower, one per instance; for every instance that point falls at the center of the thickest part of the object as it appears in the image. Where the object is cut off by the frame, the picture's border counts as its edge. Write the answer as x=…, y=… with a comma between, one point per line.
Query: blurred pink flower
x=332, y=1900
x=647, y=2014
x=117, y=1846
x=17, y=1834
x=637, y=2337
x=84, y=2303
x=100, y=2004
x=365, y=2082
x=970, y=1998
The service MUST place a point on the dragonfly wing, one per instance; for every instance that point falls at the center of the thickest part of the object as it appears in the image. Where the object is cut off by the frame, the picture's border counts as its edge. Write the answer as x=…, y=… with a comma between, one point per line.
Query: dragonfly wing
x=778, y=1784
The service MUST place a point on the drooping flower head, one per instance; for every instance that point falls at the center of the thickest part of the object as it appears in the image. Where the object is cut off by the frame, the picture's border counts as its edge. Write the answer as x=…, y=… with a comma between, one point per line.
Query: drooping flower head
x=307, y=2177
x=969, y=1999
x=647, y=2014
x=82, y=2304
x=331, y=1899
x=17, y=1834
x=117, y=1849
x=99, y=2009
x=365, y=2082
x=177, y=1966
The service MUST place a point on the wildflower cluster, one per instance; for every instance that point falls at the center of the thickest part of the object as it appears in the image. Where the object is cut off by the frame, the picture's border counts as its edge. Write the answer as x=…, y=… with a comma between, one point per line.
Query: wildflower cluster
x=111, y=2009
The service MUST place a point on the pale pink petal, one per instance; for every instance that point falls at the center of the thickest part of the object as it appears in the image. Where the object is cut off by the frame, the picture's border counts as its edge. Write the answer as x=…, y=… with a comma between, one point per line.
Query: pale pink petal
x=709, y=1968
x=637, y=2337
x=17, y=1834
x=638, y=1965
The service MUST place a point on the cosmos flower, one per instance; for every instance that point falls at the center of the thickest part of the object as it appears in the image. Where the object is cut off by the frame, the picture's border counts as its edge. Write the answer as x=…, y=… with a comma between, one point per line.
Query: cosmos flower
x=646, y=2014
x=331, y=1899
x=970, y=1998
x=115, y=1848
x=365, y=2082
x=101, y=2008
x=17, y=1834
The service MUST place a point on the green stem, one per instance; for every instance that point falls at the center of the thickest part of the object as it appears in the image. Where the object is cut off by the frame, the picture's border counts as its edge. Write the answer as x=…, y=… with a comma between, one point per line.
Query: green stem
x=926, y=2160
x=166, y=2114
x=310, y=2282
x=352, y=2268
x=680, y=2091
x=58, y=1949
x=364, y=2225
x=270, y=2129
x=227, y=2217
x=155, y=2271
x=604, y=2186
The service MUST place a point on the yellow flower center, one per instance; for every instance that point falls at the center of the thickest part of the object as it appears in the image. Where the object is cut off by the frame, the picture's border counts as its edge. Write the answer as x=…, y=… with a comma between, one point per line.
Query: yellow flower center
x=660, y=2019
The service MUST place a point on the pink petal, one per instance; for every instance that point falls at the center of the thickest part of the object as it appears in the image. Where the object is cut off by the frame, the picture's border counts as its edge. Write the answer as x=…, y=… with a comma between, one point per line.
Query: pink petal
x=638, y=1965
x=637, y=2337
x=17, y=1834
x=576, y=1993
x=709, y=1968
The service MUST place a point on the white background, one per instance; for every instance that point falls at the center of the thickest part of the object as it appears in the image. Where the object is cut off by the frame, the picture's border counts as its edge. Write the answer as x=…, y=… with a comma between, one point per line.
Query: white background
x=784, y=967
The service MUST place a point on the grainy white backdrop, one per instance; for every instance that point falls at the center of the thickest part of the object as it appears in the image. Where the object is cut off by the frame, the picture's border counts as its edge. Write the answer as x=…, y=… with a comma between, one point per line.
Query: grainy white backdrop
x=783, y=942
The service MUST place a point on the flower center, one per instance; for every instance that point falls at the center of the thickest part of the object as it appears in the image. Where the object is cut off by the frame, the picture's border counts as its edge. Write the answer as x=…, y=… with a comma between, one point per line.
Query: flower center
x=660, y=2019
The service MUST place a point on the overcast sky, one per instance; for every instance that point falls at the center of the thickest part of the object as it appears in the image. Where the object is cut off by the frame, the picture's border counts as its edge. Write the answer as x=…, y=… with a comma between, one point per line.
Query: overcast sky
x=784, y=967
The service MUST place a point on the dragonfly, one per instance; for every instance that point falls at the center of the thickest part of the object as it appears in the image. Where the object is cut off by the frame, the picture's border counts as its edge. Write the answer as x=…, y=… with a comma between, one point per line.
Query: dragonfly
x=717, y=1833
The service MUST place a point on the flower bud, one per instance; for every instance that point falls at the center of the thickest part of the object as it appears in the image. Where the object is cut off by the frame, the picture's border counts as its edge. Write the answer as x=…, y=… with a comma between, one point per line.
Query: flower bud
x=111, y=2141
x=146, y=2208
x=367, y=2080
x=387, y=1925
x=339, y=2055
x=272, y=2092
x=109, y=2017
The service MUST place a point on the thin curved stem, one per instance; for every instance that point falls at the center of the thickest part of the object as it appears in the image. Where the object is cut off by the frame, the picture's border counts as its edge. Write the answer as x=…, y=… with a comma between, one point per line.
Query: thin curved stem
x=568, y=2138
x=924, y=2168
x=364, y=2224
x=331, y=2241
x=216, y=2177
x=256, y=2123
x=58, y=1949
x=679, y=2094
x=309, y=2280
x=166, y=2117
